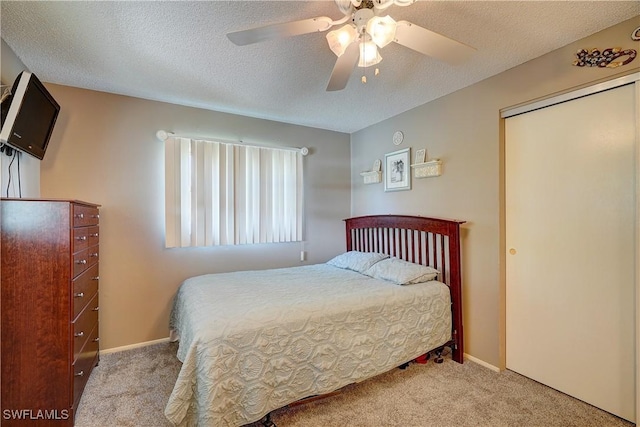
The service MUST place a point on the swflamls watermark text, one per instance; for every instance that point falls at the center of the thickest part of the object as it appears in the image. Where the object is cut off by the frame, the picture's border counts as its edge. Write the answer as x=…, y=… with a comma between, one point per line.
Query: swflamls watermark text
x=35, y=414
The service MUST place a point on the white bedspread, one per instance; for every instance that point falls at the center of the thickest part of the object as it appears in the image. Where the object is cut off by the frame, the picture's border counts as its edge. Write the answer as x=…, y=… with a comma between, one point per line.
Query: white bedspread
x=254, y=341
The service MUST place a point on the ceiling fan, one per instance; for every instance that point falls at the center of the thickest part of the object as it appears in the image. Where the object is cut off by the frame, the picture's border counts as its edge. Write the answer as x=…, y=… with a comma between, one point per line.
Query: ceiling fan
x=365, y=31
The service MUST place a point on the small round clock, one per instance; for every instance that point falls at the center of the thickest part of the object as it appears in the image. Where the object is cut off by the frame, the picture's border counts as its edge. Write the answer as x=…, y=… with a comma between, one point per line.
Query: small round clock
x=398, y=137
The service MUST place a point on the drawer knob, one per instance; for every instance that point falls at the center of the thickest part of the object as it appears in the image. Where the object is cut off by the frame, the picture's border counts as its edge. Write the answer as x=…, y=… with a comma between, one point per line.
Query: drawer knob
x=79, y=295
x=79, y=334
x=96, y=339
x=94, y=255
x=95, y=216
x=94, y=234
x=95, y=278
x=81, y=238
x=81, y=261
x=80, y=216
x=79, y=374
x=96, y=309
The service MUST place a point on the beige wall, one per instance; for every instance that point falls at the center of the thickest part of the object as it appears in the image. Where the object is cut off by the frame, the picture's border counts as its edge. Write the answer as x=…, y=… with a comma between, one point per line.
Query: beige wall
x=104, y=150
x=464, y=130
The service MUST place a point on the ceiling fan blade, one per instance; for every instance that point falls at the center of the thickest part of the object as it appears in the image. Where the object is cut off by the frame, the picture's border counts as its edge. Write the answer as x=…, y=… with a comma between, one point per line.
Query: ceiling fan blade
x=344, y=67
x=432, y=44
x=276, y=31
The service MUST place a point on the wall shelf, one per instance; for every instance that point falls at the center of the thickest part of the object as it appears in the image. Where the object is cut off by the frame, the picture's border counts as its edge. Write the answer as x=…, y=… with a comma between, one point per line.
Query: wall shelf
x=371, y=177
x=428, y=169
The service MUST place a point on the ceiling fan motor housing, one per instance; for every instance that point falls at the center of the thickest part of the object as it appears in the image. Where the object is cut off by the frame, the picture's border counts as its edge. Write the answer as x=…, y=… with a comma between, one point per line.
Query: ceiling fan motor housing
x=361, y=17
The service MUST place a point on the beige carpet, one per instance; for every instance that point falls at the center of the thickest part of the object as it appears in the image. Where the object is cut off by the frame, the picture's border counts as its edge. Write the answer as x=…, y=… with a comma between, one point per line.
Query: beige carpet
x=131, y=389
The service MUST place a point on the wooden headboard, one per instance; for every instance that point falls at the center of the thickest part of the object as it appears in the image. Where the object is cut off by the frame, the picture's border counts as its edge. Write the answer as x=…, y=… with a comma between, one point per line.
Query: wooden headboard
x=427, y=241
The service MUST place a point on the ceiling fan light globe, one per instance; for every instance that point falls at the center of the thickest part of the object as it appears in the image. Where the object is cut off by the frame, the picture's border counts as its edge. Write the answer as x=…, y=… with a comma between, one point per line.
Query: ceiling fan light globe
x=404, y=2
x=345, y=6
x=369, y=54
x=383, y=4
x=382, y=30
x=341, y=38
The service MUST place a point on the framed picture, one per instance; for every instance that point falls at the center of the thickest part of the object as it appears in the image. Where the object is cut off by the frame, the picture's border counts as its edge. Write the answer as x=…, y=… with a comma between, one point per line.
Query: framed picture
x=421, y=156
x=397, y=170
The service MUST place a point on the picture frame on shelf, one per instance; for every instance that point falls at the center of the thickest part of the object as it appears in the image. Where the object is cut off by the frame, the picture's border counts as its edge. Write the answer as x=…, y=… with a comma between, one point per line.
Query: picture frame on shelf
x=420, y=156
x=397, y=170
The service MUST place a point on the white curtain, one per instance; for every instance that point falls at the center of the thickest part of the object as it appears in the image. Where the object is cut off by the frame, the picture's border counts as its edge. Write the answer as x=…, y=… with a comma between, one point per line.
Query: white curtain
x=227, y=194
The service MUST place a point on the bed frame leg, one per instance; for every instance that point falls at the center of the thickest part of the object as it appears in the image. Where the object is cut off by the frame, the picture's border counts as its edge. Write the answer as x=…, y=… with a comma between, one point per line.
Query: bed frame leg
x=266, y=421
x=438, y=352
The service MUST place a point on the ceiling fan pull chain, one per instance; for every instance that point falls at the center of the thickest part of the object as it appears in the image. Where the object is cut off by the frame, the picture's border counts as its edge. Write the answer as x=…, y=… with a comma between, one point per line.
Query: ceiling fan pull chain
x=364, y=69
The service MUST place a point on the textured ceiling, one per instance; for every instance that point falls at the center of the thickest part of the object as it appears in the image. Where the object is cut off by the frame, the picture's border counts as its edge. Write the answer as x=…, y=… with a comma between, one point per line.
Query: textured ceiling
x=177, y=52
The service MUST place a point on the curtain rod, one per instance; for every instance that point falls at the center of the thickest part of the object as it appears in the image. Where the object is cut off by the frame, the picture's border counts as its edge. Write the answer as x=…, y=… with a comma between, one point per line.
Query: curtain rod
x=162, y=135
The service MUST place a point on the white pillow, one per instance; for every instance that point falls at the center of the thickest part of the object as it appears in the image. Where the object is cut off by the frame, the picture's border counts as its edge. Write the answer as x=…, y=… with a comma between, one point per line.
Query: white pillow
x=357, y=261
x=401, y=272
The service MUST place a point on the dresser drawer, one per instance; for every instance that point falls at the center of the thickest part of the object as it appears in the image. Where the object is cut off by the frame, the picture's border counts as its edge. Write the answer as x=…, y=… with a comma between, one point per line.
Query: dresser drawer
x=80, y=239
x=83, y=325
x=84, y=288
x=84, y=364
x=85, y=215
x=84, y=237
x=93, y=235
x=85, y=259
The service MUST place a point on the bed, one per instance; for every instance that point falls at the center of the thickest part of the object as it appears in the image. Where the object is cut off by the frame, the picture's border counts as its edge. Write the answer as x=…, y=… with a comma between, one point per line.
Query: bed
x=254, y=341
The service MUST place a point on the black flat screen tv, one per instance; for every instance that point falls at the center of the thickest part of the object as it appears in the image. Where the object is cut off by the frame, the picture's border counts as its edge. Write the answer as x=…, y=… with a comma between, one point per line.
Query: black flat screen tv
x=29, y=116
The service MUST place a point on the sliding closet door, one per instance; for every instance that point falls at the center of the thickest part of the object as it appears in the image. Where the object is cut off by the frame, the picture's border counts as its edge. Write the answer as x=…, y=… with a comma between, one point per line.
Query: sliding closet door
x=570, y=241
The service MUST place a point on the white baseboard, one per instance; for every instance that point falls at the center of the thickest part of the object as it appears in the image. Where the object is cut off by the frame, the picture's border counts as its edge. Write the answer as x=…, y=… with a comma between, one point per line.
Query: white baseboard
x=481, y=362
x=132, y=346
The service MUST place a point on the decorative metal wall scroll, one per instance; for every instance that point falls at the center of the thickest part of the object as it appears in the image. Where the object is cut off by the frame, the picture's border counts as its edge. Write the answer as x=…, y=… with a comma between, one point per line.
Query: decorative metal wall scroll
x=609, y=58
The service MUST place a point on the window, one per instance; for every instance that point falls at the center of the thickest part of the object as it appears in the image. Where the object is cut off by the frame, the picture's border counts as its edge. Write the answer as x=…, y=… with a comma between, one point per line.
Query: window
x=229, y=194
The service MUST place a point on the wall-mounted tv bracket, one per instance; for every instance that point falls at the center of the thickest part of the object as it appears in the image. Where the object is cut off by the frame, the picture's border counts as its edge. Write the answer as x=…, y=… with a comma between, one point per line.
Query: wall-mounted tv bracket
x=9, y=151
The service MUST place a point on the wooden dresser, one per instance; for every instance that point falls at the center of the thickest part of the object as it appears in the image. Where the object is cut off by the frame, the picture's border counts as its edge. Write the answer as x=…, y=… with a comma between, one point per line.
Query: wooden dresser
x=49, y=308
